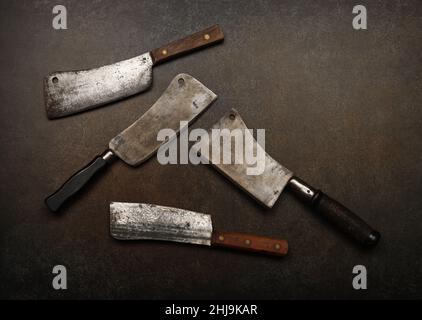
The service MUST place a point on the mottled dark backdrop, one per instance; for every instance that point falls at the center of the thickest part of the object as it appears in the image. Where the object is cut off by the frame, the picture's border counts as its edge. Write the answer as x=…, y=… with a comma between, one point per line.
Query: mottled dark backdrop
x=342, y=108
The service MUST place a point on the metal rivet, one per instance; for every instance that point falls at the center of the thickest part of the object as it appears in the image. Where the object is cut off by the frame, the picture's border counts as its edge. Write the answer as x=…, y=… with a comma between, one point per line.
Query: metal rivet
x=277, y=246
x=164, y=52
x=181, y=82
x=221, y=238
x=207, y=36
x=247, y=242
x=55, y=80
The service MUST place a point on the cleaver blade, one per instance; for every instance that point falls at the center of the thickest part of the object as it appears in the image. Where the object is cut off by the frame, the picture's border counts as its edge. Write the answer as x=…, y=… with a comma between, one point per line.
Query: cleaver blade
x=141, y=221
x=183, y=100
x=267, y=187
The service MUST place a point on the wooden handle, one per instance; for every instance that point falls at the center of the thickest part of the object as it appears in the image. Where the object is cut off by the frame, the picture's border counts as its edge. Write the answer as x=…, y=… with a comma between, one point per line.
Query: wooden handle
x=195, y=41
x=248, y=242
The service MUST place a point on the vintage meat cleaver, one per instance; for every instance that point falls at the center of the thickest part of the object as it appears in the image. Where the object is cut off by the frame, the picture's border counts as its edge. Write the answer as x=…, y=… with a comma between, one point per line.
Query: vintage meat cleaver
x=69, y=92
x=267, y=187
x=183, y=100
x=139, y=221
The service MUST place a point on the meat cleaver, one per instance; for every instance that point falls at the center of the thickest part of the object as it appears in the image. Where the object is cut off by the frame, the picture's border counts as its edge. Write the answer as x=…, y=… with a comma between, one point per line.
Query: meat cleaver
x=139, y=221
x=183, y=100
x=267, y=187
x=69, y=92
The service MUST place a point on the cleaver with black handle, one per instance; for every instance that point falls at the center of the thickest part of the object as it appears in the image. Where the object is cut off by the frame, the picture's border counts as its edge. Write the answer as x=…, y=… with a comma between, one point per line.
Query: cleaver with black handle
x=183, y=100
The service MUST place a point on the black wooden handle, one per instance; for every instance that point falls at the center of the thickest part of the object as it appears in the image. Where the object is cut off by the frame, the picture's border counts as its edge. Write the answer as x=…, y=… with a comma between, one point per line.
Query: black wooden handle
x=336, y=213
x=75, y=183
x=345, y=219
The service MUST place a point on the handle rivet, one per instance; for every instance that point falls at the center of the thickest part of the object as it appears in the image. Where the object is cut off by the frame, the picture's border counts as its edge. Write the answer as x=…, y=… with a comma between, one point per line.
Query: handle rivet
x=277, y=246
x=247, y=242
x=207, y=36
x=164, y=52
x=221, y=238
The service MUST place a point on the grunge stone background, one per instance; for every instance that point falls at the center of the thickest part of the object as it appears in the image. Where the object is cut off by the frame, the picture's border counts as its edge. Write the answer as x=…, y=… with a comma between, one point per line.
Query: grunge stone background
x=342, y=108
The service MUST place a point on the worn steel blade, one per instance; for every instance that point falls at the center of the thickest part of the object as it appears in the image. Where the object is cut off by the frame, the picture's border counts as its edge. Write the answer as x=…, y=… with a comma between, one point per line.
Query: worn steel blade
x=266, y=187
x=69, y=92
x=184, y=99
x=137, y=221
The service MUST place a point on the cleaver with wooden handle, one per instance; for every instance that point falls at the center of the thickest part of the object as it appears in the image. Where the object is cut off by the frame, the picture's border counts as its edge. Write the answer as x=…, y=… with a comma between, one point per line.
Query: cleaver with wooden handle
x=69, y=92
x=140, y=221
x=183, y=100
x=267, y=187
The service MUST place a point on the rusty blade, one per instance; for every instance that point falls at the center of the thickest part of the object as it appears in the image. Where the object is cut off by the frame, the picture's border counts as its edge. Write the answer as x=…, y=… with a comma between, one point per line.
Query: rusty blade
x=266, y=187
x=184, y=99
x=70, y=92
x=138, y=221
